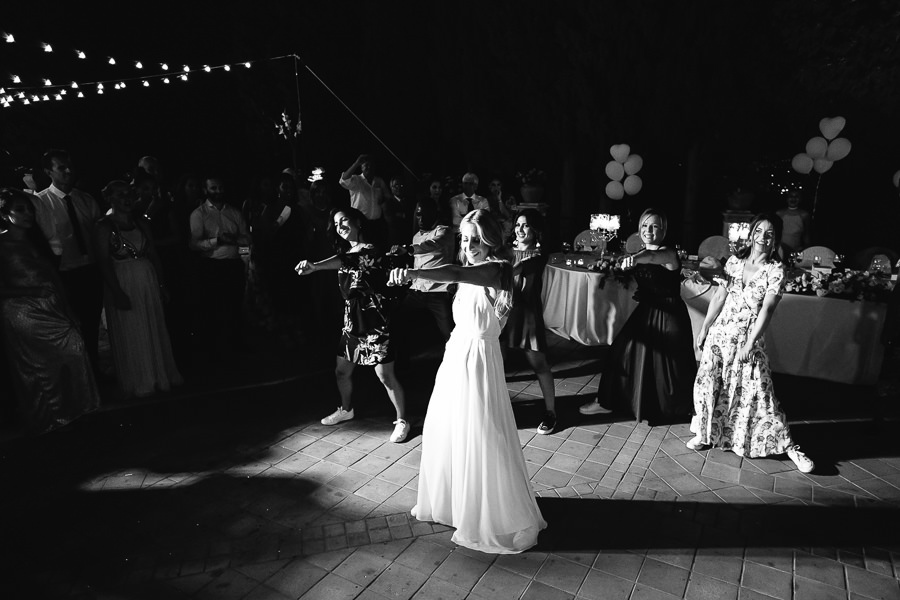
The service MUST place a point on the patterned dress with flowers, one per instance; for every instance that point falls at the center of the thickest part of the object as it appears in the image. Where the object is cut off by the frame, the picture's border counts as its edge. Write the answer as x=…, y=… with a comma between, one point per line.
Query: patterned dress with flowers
x=368, y=304
x=735, y=402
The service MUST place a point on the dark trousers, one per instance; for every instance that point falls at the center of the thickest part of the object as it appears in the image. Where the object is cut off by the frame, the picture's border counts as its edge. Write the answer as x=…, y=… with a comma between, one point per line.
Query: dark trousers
x=438, y=303
x=84, y=292
x=220, y=307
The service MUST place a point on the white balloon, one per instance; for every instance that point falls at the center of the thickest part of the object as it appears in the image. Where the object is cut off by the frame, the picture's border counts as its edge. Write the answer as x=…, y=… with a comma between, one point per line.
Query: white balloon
x=816, y=147
x=897, y=179
x=614, y=170
x=802, y=163
x=632, y=185
x=830, y=128
x=838, y=149
x=821, y=165
x=615, y=190
x=620, y=152
x=633, y=164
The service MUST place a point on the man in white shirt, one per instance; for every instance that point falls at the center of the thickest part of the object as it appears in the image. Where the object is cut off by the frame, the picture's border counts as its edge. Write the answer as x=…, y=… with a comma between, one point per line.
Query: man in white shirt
x=433, y=245
x=463, y=204
x=67, y=217
x=366, y=190
x=218, y=231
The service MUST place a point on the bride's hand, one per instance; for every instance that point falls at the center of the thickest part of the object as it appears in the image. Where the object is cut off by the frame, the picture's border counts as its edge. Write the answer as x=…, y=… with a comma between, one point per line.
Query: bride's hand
x=304, y=267
x=399, y=276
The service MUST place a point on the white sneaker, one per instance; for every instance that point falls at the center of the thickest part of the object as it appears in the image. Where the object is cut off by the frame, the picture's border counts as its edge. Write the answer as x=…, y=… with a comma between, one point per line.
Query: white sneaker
x=804, y=464
x=337, y=416
x=593, y=408
x=695, y=443
x=401, y=430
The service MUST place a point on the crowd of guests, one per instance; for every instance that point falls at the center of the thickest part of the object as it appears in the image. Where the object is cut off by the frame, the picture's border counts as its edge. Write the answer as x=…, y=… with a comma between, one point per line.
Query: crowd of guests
x=179, y=269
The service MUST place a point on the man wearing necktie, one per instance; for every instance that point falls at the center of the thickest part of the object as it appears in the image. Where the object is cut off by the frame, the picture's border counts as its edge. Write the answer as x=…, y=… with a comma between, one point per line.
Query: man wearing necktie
x=463, y=204
x=66, y=216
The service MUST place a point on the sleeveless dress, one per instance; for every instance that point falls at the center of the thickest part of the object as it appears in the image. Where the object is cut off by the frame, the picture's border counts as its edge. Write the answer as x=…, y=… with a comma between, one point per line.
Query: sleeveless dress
x=735, y=402
x=650, y=369
x=525, y=325
x=138, y=338
x=49, y=364
x=472, y=475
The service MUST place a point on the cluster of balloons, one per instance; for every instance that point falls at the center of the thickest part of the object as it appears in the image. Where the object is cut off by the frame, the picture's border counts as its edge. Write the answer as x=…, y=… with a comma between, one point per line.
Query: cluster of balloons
x=822, y=152
x=897, y=179
x=623, y=172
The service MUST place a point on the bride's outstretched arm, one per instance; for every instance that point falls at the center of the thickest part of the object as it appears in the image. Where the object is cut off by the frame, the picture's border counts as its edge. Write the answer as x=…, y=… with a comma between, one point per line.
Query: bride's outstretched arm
x=486, y=274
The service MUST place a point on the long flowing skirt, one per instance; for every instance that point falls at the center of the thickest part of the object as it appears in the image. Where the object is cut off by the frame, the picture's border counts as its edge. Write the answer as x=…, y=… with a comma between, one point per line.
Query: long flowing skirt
x=51, y=369
x=139, y=340
x=472, y=475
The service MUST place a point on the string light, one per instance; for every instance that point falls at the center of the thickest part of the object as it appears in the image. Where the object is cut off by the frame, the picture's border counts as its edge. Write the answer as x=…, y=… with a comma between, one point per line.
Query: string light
x=48, y=48
x=186, y=69
x=58, y=97
x=247, y=64
x=2, y=91
x=62, y=92
x=112, y=61
x=46, y=97
x=74, y=86
x=145, y=83
x=80, y=54
x=207, y=68
x=15, y=79
x=80, y=95
x=138, y=65
x=226, y=67
x=165, y=80
x=183, y=77
x=164, y=66
x=9, y=38
x=25, y=101
x=35, y=99
x=47, y=82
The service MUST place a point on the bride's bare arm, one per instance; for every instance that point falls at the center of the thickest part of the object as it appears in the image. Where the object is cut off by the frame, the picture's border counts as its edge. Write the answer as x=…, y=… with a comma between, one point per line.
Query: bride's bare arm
x=486, y=274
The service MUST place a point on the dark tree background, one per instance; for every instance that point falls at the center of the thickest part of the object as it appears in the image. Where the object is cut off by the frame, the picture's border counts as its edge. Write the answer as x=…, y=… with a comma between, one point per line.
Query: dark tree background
x=713, y=95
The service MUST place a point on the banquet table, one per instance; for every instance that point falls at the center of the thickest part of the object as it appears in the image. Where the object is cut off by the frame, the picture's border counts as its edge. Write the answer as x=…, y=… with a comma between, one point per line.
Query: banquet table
x=824, y=338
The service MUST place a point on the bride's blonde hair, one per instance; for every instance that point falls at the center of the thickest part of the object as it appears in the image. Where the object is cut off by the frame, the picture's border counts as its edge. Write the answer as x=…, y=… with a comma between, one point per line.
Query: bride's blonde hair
x=492, y=235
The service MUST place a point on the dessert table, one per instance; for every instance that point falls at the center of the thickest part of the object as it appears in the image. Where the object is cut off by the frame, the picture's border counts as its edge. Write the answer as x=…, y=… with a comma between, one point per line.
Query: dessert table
x=824, y=338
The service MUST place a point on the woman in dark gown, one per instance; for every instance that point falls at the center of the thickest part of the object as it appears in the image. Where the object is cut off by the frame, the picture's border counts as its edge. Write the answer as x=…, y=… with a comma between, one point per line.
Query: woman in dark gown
x=51, y=370
x=651, y=368
x=363, y=271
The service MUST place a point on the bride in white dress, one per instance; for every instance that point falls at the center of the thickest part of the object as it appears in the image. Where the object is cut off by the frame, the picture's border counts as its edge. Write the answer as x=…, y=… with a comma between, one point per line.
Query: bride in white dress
x=472, y=475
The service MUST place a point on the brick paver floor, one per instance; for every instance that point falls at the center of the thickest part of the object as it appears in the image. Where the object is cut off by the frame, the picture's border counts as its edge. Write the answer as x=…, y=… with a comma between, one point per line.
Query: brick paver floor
x=248, y=497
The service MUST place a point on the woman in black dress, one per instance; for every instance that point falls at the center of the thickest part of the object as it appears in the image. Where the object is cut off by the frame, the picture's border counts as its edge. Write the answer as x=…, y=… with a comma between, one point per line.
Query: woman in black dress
x=525, y=329
x=651, y=368
x=363, y=271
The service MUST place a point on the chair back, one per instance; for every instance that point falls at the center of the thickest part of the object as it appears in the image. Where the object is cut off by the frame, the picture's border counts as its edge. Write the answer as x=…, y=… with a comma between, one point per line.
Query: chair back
x=880, y=264
x=716, y=246
x=863, y=259
x=633, y=244
x=584, y=240
x=826, y=256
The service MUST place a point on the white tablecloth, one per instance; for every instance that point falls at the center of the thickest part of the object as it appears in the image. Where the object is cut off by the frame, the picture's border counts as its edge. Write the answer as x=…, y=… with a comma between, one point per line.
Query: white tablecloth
x=576, y=308
x=824, y=338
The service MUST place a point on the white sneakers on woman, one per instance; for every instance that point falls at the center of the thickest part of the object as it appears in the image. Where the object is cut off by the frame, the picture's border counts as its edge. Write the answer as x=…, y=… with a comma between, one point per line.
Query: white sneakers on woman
x=695, y=443
x=338, y=416
x=593, y=408
x=803, y=462
x=401, y=430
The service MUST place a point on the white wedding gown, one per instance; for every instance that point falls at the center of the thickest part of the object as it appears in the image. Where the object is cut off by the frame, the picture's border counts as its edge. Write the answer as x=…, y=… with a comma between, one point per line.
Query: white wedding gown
x=472, y=475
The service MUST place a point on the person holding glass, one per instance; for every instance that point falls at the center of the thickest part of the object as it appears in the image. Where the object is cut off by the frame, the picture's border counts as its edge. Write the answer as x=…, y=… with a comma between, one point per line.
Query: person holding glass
x=734, y=399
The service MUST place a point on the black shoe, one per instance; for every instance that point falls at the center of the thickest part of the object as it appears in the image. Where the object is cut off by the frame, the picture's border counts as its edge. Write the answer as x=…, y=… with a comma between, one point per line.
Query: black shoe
x=548, y=424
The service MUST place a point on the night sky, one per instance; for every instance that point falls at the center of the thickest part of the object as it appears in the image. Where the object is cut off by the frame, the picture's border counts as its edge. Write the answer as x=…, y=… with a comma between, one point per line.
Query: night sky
x=713, y=95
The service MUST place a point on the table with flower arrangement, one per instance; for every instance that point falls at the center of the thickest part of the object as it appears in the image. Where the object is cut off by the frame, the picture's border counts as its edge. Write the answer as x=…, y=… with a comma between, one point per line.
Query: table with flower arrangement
x=827, y=326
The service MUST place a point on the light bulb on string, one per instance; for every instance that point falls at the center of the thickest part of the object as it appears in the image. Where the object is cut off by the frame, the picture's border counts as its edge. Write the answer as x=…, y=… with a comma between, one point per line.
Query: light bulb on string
x=186, y=69
x=100, y=90
x=47, y=82
x=227, y=67
x=146, y=83
x=46, y=97
x=207, y=68
x=9, y=38
x=2, y=91
x=247, y=64
x=112, y=61
x=21, y=95
x=116, y=86
x=183, y=77
x=58, y=97
x=74, y=86
x=62, y=92
x=80, y=94
x=15, y=79
x=48, y=47
x=122, y=84
x=164, y=66
x=26, y=101
x=138, y=65
x=80, y=54
x=165, y=80
x=35, y=99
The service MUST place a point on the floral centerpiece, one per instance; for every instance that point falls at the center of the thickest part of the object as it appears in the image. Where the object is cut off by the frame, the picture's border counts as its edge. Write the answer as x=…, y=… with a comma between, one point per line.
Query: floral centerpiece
x=608, y=267
x=840, y=283
x=532, y=181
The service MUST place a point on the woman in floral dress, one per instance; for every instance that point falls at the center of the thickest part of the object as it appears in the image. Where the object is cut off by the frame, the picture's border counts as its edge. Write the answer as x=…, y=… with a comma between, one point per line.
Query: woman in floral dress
x=366, y=338
x=734, y=399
